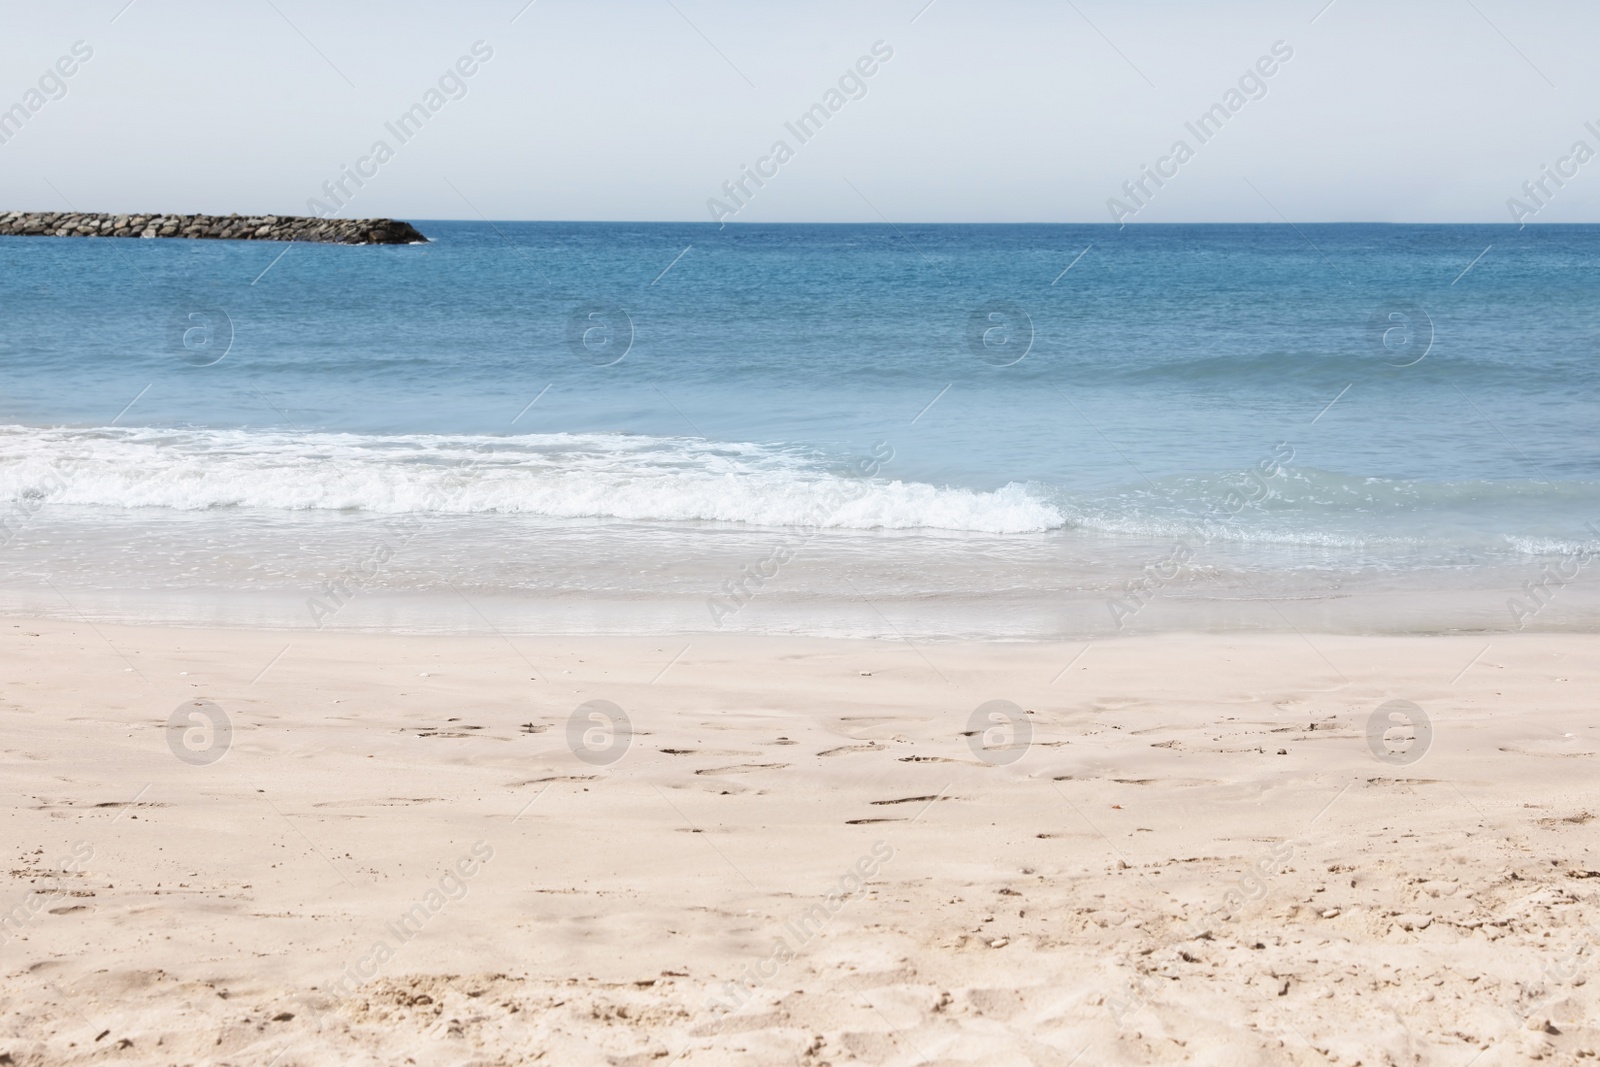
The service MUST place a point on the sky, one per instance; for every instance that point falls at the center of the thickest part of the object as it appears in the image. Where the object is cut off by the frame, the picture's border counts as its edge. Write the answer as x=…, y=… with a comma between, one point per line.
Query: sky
x=999, y=111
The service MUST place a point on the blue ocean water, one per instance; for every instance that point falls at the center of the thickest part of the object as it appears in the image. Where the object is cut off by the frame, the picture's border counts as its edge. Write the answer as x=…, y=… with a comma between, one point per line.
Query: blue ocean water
x=976, y=423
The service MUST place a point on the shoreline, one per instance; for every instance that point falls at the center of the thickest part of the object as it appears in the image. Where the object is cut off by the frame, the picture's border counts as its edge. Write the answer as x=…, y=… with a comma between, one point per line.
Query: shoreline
x=1405, y=610
x=1148, y=873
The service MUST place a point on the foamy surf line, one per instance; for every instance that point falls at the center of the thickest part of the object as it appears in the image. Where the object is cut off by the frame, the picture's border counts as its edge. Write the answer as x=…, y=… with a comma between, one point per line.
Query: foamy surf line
x=566, y=476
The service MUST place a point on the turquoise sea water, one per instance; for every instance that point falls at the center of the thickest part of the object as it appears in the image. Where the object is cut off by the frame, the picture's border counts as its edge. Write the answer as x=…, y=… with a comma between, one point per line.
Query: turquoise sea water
x=948, y=429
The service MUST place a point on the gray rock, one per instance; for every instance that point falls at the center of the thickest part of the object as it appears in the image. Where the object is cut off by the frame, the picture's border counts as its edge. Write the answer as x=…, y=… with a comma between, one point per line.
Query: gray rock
x=208, y=227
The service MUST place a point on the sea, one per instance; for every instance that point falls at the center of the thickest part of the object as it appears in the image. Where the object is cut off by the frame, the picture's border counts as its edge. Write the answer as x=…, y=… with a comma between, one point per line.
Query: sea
x=1029, y=432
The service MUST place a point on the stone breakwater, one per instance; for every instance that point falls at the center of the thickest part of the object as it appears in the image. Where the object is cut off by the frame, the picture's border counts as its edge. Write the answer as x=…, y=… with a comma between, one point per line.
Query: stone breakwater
x=214, y=227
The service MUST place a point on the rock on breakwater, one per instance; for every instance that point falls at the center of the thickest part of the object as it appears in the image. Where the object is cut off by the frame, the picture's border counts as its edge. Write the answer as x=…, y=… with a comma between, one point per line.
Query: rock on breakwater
x=214, y=227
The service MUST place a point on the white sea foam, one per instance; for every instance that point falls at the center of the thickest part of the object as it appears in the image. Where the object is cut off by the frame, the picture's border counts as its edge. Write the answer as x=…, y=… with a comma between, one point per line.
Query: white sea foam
x=555, y=475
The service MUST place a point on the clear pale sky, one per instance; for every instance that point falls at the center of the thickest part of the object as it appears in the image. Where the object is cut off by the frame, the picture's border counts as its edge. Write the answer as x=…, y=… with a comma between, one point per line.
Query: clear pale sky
x=1000, y=111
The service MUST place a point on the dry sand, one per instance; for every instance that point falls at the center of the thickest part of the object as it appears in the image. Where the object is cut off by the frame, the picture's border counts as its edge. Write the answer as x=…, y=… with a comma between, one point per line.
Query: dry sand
x=1197, y=859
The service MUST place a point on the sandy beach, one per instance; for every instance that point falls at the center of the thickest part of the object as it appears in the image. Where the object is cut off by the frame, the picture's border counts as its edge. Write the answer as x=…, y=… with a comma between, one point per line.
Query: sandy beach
x=799, y=535
x=800, y=855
